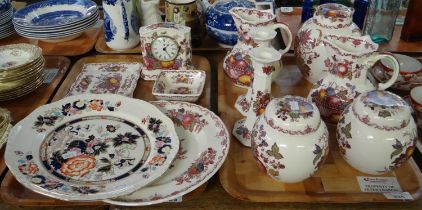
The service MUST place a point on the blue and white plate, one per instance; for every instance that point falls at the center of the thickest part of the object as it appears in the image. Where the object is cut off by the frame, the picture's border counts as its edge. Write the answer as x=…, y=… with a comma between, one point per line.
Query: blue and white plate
x=54, y=13
x=82, y=25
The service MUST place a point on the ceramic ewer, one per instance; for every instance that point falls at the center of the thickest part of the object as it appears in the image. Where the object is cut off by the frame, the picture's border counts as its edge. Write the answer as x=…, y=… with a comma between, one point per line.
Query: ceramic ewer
x=204, y=145
x=237, y=64
x=376, y=133
x=91, y=147
x=219, y=23
x=263, y=37
x=121, y=30
x=290, y=141
x=309, y=50
x=348, y=60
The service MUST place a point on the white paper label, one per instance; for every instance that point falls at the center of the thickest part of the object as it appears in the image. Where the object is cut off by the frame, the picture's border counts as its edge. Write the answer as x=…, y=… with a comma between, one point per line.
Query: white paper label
x=379, y=184
x=286, y=9
x=399, y=196
x=49, y=75
x=177, y=200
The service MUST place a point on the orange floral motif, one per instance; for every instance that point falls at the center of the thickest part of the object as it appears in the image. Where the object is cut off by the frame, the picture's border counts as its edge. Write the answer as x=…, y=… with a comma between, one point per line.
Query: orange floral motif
x=157, y=160
x=78, y=166
x=28, y=169
x=96, y=105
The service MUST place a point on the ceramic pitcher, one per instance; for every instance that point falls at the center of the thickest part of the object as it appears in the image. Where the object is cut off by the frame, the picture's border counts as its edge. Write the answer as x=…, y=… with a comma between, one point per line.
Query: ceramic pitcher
x=121, y=30
x=263, y=37
x=185, y=12
x=264, y=61
x=237, y=63
x=330, y=19
x=149, y=12
x=348, y=60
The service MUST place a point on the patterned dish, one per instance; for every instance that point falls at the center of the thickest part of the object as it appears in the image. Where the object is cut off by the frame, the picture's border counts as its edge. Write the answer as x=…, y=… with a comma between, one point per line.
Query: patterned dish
x=116, y=78
x=18, y=55
x=91, y=147
x=179, y=85
x=204, y=147
x=53, y=13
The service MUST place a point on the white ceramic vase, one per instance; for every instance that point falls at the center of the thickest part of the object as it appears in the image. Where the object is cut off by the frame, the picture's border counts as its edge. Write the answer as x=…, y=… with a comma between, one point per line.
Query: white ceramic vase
x=290, y=141
x=377, y=133
x=121, y=30
x=149, y=12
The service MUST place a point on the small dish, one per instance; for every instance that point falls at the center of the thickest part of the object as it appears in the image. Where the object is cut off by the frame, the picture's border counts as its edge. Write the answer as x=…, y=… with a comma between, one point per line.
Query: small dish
x=416, y=102
x=179, y=85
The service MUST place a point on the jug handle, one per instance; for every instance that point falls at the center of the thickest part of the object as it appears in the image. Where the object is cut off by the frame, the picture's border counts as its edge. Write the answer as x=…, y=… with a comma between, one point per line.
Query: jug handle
x=284, y=27
x=396, y=68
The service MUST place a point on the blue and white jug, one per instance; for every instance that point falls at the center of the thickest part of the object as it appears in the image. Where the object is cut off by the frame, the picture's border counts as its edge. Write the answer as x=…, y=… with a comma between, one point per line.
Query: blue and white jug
x=121, y=29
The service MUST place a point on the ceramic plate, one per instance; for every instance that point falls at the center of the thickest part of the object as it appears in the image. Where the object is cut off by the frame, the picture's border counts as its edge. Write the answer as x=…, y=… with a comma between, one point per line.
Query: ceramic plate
x=116, y=78
x=3, y=138
x=204, y=147
x=90, y=147
x=53, y=13
x=16, y=55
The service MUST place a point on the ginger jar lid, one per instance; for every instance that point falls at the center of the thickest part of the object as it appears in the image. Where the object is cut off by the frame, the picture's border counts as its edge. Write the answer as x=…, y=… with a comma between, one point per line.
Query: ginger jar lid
x=382, y=110
x=292, y=115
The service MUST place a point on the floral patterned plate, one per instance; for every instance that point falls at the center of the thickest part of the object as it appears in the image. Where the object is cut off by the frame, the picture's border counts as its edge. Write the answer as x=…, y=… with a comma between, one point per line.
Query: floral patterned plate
x=91, y=147
x=98, y=78
x=204, y=147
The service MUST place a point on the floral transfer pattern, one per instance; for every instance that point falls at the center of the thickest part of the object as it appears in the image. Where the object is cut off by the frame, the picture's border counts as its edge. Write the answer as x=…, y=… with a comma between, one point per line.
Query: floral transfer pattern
x=99, y=78
x=85, y=150
x=332, y=99
x=260, y=102
x=202, y=168
x=187, y=119
x=55, y=115
x=238, y=66
x=402, y=152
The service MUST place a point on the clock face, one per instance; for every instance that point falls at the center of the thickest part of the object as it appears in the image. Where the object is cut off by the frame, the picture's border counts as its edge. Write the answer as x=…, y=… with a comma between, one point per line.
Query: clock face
x=164, y=48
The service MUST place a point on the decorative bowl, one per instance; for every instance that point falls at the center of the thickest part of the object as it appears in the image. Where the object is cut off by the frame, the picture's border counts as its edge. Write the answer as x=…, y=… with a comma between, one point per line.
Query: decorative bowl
x=179, y=85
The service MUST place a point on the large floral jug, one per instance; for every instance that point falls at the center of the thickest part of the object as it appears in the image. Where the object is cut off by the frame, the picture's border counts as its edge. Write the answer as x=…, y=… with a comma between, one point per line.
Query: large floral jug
x=237, y=63
x=330, y=19
x=348, y=60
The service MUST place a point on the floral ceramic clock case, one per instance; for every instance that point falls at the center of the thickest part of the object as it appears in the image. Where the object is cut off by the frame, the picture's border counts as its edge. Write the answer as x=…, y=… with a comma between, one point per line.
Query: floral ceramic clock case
x=91, y=147
x=204, y=144
x=165, y=46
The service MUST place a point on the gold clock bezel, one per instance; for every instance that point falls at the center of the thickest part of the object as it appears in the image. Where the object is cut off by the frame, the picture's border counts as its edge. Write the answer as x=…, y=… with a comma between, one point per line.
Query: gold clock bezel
x=169, y=37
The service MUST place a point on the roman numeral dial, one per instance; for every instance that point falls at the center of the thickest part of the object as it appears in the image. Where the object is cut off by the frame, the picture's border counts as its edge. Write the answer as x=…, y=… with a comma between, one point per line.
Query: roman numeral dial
x=164, y=48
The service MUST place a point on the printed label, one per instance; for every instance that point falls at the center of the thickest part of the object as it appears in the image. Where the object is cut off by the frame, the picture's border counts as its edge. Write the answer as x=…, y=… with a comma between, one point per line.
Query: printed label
x=49, y=74
x=379, y=184
x=399, y=196
x=286, y=9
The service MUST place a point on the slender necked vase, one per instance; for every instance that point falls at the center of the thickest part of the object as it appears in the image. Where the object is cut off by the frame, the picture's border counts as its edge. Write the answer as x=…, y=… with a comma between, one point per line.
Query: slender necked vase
x=237, y=63
x=121, y=30
x=349, y=59
x=329, y=18
x=263, y=37
x=264, y=61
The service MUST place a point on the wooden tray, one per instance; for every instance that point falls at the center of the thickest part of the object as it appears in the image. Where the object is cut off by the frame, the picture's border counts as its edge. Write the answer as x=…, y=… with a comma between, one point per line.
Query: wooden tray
x=78, y=46
x=14, y=193
x=21, y=107
x=335, y=182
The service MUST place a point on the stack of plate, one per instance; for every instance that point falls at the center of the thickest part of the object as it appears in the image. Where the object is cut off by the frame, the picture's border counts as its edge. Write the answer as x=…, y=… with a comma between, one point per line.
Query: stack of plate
x=6, y=15
x=4, y=125
x=121, y=150
x=21, y=68
x=56, y=20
